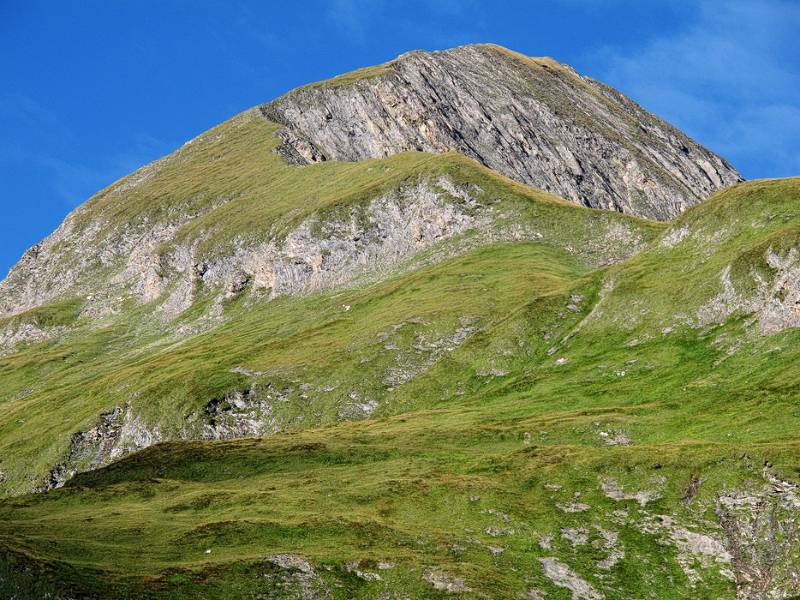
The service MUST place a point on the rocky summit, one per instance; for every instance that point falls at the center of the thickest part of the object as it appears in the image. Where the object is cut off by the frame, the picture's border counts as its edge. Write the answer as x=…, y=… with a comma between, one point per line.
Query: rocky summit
x=463, y=325
x=534, y=120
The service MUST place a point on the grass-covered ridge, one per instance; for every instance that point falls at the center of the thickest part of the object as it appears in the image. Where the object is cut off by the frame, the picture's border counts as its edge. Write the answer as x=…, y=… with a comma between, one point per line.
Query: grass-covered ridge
x=241, y=190
x=226, y=194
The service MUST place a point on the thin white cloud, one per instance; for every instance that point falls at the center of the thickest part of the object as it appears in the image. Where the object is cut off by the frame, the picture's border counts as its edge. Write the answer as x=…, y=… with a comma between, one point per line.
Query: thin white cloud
x=47, y=145
x=353, y=17
x=729, y=79
x=358, y=19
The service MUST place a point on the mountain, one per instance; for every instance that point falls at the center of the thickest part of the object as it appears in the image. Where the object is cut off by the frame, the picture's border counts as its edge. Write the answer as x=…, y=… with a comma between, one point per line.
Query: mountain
x=401, y=371
x=532, y=119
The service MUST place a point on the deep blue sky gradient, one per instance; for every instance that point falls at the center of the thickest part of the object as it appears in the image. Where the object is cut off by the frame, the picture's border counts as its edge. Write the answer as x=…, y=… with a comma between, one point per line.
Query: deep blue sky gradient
x=90, y=90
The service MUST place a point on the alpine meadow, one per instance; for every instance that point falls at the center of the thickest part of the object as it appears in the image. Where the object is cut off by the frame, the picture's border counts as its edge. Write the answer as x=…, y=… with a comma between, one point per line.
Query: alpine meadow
x=466, y=324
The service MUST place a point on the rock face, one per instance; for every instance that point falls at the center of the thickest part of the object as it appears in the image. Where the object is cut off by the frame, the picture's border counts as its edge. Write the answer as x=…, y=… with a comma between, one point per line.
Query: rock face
x=117, y=432
x=312, y=257
x=775, y=301
x=762, y=536
x=532, y=119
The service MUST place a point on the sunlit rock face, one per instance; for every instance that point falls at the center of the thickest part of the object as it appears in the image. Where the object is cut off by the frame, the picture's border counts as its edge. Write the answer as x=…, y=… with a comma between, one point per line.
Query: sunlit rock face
x=532, y=119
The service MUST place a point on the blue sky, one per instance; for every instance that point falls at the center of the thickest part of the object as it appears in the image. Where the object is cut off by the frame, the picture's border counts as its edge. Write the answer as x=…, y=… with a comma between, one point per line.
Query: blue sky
x=91, y=90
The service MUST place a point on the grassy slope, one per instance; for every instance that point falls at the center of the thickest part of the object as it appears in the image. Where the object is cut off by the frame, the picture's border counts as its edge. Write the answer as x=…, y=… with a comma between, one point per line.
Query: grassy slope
x=398, y=488
x=49, y=391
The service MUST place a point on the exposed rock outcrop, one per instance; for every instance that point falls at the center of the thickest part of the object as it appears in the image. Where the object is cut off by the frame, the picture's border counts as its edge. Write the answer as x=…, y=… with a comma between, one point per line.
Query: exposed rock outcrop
x=562, y=576
x=534, y=120
x=316, y=255
x=446, y=583
x=108, y=267
x=295, y=577
x=13, y=335
x=762, y=535
x=117, y=432
x=774, y=302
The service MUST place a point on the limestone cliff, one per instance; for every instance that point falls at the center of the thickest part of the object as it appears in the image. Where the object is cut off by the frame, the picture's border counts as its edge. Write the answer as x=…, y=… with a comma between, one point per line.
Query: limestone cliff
x=532, y=119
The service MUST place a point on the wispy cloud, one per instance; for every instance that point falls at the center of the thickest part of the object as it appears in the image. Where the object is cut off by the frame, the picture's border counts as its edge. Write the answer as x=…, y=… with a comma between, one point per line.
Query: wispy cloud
x=47, y=148
x=723, y=80
x=353, y=16
x=358, y=19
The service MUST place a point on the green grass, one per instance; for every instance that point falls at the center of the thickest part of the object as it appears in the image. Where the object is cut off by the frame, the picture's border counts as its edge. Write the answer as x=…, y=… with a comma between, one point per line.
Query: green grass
x=296, y=340
x=496, y=415
x=394, y=490
x=351, y=77
x=57, y=314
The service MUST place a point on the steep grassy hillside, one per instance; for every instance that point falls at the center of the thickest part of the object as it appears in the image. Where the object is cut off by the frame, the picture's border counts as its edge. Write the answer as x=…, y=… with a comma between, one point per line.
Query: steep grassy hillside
x=509, y=419
x=225, y=206
x=175, y=312
x=303, y=361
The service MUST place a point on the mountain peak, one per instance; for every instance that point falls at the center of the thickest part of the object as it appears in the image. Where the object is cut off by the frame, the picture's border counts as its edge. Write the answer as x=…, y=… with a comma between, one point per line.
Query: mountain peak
x=391, y=371
x=535, y=120
x=489, y=49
